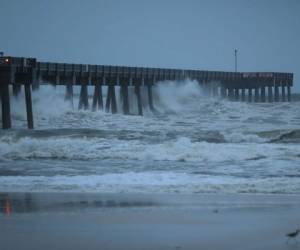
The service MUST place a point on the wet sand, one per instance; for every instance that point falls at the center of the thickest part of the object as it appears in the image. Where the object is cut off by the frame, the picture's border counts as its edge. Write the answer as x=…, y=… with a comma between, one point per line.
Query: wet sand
x=139, y=221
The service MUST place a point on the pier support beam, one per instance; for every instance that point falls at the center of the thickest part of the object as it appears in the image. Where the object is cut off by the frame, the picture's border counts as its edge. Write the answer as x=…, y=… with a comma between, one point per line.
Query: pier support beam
x=36, y=79
x=288, y=93
x=5, y=101
x=262, y=94
x=276, y=99
x=236, y=94
x=230, y=94
x=270, y=94
x=111, y=100
x=139, y=99
x=108, y=97
x=124, y=95
x=57, y=79
x=97, y=98
x=256, y=95
x=283, y=93
x=83, y=98
x=69, y=92
x=27, y=87
x=249, y=95
x=150, y=97
x=243, y=95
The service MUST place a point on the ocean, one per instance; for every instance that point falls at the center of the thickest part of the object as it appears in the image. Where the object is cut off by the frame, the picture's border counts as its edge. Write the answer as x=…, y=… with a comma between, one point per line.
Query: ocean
x=192, y=144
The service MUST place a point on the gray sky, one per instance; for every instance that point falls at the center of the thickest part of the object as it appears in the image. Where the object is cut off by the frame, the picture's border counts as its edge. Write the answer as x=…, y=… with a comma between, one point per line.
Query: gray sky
x=176, y=34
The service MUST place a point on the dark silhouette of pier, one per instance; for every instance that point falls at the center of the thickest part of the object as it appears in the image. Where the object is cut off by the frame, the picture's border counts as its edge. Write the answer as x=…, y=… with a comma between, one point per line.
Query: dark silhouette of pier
x=236, y=86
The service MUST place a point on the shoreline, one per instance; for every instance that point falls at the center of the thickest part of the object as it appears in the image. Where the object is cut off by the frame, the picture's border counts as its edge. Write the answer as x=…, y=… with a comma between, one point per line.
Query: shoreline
x=139, y=221
x=65, y=200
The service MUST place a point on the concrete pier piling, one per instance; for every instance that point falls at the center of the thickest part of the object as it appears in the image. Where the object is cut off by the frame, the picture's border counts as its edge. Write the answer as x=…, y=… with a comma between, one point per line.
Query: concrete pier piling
x=27, y=88
x=150, y=97
x=37, y=79
x=108, y=100
x=270, y=94
x=111, y=102
x=5, y=103
x=69, y=92
x=57, y=80
x=236, y=94
x=243, y=95
x=83, y=98
x=288, y=93
x=256, y=94
x=276, y=96
x=230, y=94
x=69, y=89
x=262, y=94
x=97, y=97
x=18, y=71
x=137, y=90
x=283, y=93
x=125, y=99
x=249, y=94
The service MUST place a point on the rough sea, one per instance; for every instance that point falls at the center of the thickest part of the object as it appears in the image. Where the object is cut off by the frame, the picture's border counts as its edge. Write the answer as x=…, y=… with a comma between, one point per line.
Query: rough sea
x=193, y=143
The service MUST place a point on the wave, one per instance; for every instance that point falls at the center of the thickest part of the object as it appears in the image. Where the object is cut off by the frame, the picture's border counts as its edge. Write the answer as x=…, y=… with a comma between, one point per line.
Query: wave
x=282, y=136
x=150, y=182
x=85, y=144
x=124, y=134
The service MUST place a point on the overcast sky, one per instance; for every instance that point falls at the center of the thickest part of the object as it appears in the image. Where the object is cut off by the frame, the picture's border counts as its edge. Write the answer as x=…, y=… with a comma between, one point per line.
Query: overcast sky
x=199, y=34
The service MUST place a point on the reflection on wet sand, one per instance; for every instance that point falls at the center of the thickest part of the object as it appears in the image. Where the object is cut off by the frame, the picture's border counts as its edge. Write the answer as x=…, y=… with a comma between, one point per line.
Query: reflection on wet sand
x=10, y=203
x=7, y=208
x=30, y=203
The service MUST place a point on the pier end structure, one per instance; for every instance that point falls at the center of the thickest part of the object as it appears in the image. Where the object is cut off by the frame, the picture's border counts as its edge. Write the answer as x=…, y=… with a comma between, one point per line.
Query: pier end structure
x=28, y=72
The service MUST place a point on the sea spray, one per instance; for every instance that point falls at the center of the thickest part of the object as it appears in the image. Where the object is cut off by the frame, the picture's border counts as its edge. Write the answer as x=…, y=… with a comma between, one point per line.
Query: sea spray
x=177, y=96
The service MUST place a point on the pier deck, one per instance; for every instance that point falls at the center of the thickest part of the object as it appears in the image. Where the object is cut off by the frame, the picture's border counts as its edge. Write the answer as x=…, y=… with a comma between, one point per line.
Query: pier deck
x=236, y=86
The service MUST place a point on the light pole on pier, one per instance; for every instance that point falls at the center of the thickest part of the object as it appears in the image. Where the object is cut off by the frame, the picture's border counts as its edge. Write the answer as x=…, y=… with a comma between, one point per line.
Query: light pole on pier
x=235, y=57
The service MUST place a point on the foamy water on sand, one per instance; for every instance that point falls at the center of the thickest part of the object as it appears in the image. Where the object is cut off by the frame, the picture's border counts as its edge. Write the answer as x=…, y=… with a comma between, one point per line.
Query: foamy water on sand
x=192, y=144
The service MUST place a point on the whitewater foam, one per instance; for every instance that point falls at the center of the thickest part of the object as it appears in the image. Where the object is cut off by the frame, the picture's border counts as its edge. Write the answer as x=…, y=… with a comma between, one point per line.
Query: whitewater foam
x=149, y=182
x=193, y=143
x=179, y=149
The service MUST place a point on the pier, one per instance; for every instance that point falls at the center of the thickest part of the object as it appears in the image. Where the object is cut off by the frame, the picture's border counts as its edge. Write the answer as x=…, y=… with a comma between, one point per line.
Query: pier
x=28, y=72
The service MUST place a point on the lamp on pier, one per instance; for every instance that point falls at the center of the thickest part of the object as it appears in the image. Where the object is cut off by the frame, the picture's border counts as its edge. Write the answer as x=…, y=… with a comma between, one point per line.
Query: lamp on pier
x=235, y=58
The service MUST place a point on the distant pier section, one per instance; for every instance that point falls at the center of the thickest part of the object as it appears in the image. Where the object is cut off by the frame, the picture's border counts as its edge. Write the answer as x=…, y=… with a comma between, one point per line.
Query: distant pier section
x=28, y=72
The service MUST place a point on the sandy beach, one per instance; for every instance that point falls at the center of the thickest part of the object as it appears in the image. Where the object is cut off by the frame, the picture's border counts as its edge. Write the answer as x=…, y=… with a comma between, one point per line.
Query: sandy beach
x=136, y=221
